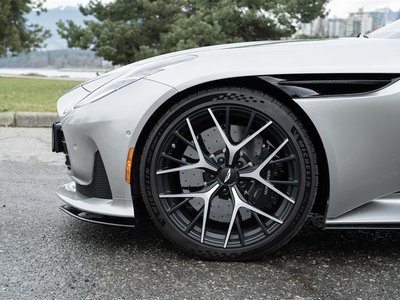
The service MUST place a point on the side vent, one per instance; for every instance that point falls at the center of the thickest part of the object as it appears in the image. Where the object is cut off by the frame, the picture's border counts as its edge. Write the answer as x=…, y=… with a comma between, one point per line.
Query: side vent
x=307, y=85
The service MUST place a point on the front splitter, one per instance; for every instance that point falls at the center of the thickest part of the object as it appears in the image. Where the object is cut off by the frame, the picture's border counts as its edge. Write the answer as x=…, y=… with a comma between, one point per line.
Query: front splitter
x=96, y=218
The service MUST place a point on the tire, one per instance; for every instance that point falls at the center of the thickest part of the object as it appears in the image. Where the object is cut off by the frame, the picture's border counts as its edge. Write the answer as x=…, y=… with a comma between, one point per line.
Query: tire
x=240, y=203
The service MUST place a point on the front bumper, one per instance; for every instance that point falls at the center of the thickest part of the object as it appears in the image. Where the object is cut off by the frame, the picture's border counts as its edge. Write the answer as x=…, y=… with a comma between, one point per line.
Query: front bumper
x=96, y=139
x=95, y=197
x=69, y=194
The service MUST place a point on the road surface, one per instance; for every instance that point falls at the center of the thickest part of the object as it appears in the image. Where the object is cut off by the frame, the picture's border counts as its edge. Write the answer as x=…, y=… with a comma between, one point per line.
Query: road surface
x=45, y=254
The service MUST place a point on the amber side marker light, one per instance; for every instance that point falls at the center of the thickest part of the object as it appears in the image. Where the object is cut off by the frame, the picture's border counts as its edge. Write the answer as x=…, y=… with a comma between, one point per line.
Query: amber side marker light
x=129, y=161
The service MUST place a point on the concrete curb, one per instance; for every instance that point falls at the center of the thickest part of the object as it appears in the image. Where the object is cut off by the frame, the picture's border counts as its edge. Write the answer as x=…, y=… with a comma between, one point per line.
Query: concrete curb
x=27, y=119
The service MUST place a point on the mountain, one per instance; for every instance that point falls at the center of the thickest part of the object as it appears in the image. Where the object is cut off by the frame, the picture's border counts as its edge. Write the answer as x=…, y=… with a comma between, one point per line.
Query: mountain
x=56, y=54
x=49, y=19
x=56, y=59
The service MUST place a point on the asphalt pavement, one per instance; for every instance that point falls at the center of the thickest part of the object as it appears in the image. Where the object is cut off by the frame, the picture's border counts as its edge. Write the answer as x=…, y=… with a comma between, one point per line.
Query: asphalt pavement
x=45, y=254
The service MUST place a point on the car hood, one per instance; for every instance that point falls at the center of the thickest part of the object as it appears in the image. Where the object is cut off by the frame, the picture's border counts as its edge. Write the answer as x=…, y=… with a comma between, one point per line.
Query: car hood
x=97, y=82
x=346, y=55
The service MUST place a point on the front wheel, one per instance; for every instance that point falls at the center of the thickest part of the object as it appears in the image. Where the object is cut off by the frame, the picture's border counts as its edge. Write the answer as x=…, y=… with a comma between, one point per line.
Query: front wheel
x=229, y=173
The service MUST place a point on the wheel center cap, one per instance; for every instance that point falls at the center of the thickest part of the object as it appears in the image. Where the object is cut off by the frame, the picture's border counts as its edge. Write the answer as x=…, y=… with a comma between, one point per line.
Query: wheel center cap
x=227, y=176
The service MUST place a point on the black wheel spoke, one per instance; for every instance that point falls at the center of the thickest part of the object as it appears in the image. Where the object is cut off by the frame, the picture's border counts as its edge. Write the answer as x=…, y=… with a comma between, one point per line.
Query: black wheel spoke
x=283, y=182
x=227, y=123
x=194, y=221
x=193, y=189
x=171, y=210
x=283, y=159
x=247, y=130
x=262, y=225
x=186, y=141
x=189, y=159
x=239, y=229
x=174, y=159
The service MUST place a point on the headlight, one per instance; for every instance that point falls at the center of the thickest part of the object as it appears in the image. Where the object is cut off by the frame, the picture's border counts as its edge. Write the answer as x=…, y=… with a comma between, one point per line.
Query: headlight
x=133, y=76
x=108, y=89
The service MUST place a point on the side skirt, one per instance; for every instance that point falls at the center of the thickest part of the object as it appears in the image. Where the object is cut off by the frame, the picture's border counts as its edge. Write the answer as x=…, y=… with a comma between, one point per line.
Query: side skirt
x=382, y=213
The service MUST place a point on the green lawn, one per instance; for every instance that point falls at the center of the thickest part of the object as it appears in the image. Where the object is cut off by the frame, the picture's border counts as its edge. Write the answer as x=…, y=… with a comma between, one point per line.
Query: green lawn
x=32, y=94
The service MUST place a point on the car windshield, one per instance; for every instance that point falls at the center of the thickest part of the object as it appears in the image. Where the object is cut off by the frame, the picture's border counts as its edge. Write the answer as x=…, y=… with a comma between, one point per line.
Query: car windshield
x=391, y=31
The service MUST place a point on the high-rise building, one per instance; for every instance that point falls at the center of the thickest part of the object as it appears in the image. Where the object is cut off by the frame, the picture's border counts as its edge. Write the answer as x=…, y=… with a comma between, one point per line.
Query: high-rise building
x=358, y=22
x=382, y=17
x=317, y=28
x=353, y=25
x=337, y=27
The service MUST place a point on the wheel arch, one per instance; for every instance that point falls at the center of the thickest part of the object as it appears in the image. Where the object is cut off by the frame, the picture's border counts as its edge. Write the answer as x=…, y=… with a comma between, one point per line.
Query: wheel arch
x=253, y=82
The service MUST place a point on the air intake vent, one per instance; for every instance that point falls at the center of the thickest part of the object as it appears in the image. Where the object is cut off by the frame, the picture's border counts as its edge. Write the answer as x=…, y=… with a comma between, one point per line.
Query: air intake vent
x=306, y=85
x=99, y=187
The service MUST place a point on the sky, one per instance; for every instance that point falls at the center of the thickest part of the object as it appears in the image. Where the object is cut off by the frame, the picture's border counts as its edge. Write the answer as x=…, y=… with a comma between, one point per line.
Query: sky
x=339, y=8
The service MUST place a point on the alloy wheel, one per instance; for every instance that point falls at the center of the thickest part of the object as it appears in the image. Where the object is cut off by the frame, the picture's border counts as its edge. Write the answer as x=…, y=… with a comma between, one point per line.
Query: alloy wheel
x=227, y=176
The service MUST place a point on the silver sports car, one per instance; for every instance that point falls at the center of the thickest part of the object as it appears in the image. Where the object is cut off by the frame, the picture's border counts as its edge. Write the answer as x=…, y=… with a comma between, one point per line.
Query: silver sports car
x=229, y=148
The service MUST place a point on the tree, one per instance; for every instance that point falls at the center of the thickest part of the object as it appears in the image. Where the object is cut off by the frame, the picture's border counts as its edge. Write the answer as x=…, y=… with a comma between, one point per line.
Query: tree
x=15, y=34
x=128, y=30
